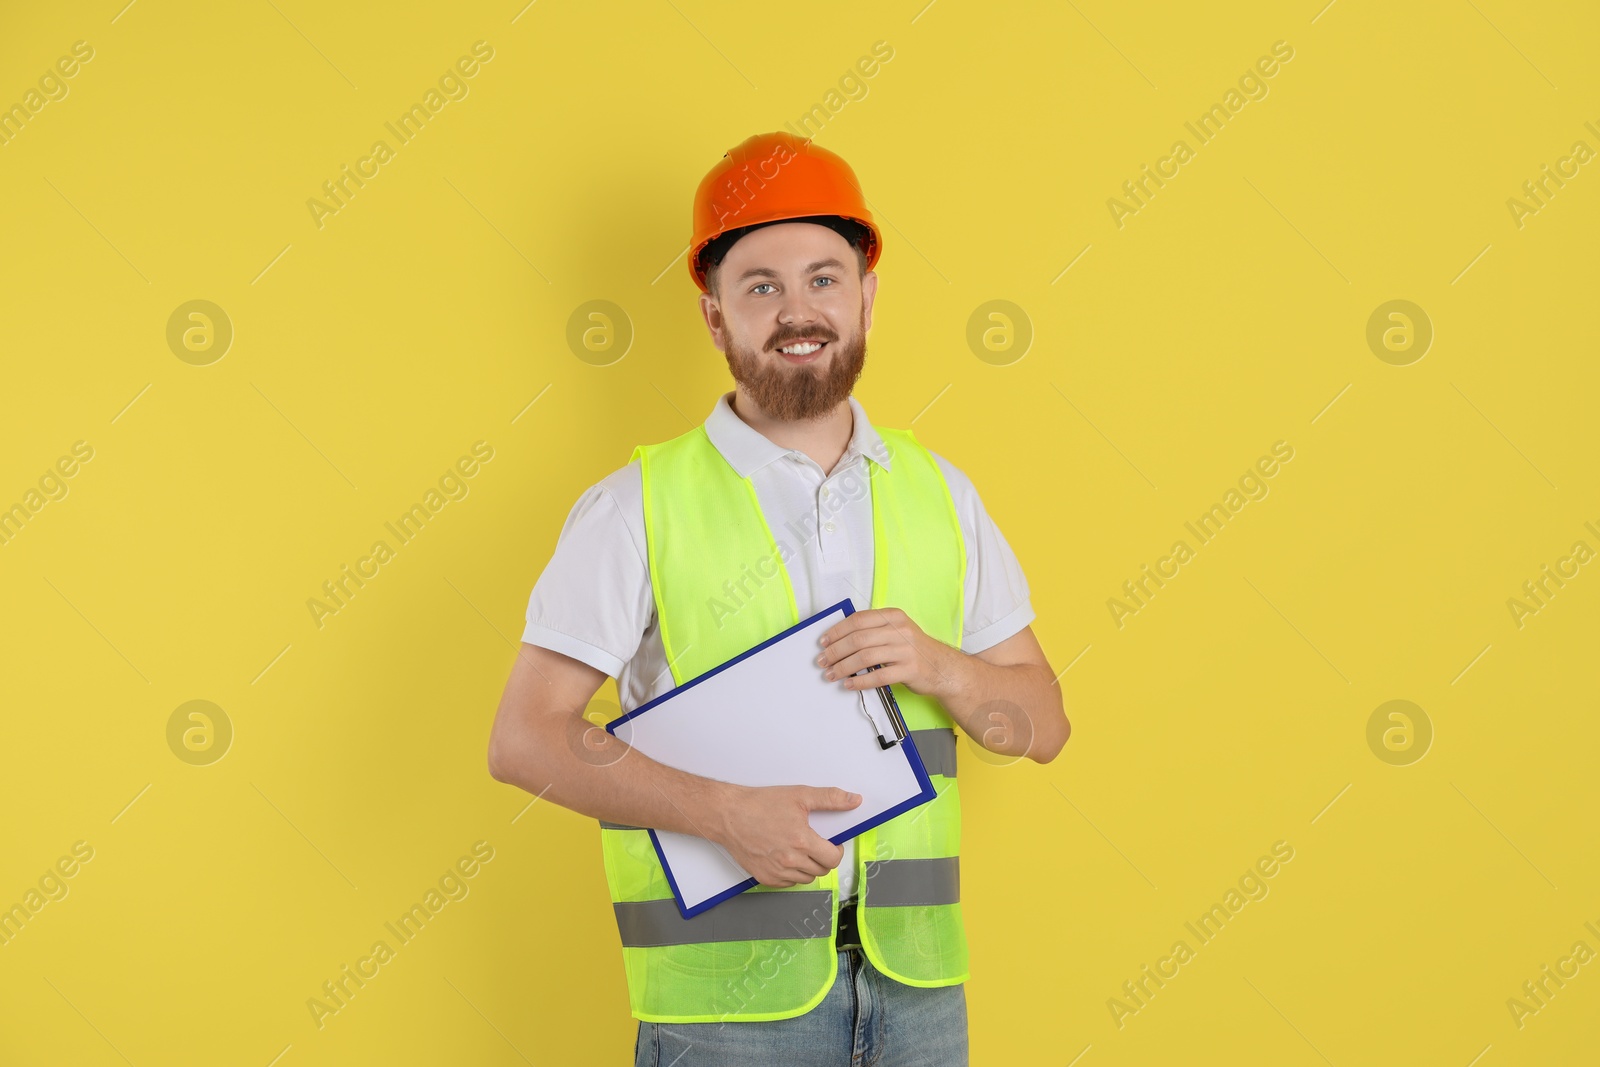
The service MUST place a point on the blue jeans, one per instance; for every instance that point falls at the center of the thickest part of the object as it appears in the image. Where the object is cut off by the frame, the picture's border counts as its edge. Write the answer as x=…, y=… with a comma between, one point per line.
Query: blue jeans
x=867, y=1019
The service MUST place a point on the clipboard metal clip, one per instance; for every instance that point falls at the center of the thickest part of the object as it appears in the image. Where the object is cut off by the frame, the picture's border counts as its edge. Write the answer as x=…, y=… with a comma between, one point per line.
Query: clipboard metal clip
x=891, y=711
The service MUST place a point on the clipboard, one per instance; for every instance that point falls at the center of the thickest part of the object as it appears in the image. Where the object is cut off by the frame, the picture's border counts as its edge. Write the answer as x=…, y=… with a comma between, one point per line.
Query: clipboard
x=768, y=717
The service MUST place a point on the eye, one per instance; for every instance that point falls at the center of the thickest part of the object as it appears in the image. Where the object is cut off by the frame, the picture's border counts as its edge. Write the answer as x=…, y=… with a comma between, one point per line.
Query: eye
x=763, y=285
x=824, y=278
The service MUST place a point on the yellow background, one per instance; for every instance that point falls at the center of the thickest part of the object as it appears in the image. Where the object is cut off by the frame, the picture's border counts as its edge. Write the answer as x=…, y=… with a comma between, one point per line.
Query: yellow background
x=370, y=353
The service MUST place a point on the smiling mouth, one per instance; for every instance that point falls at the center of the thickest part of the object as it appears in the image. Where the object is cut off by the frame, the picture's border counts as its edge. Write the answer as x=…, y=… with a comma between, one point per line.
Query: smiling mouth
x=802, y=351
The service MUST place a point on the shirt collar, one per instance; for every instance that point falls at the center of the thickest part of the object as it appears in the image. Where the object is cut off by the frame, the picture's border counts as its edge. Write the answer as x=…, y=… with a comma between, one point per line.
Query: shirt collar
x=747, y=450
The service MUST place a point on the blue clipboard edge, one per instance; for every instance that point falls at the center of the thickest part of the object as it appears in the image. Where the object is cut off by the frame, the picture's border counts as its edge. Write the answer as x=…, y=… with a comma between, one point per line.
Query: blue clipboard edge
x=926, y=794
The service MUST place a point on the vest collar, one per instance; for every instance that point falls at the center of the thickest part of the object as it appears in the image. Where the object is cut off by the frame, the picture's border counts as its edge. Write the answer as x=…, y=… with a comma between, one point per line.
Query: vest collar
x=747, y=450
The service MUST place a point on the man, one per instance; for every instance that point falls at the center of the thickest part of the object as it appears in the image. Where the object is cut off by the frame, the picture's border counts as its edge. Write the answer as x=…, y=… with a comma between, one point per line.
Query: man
x=785, y=501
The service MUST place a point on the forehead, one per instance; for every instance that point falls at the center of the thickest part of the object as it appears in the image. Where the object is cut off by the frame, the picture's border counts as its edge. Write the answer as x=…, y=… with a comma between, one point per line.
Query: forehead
x=785, y=246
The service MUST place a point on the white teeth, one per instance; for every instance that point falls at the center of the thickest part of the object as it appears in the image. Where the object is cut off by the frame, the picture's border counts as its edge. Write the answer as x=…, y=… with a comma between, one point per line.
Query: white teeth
x=801, y=349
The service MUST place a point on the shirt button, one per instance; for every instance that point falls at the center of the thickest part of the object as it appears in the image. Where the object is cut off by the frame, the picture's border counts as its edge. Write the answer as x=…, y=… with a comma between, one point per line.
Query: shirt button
x=828, y=526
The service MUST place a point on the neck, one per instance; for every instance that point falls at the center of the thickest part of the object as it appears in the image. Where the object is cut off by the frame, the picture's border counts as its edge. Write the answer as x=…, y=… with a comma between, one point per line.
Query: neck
x=824, y=439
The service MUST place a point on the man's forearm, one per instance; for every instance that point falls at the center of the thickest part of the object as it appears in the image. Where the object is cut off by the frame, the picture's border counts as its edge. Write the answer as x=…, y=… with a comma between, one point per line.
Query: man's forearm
x=586, y=769
x=1014, y=710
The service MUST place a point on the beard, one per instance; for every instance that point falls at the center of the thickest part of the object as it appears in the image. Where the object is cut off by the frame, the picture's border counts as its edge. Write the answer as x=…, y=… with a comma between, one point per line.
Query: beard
x=798, y=392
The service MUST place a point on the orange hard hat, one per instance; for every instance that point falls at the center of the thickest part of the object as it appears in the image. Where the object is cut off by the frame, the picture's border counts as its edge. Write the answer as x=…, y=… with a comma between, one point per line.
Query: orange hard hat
x=771, y=177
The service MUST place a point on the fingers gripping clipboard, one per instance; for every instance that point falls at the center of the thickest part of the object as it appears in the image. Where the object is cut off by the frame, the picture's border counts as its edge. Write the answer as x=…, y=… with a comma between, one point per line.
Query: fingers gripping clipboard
x=768, y=717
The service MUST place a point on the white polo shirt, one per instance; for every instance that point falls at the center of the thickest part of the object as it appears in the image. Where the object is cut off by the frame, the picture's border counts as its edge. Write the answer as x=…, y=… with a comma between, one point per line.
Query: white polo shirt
x=593, y=601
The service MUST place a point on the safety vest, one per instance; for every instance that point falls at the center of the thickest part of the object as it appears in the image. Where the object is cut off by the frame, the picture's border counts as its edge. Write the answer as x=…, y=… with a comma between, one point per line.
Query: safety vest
x=770, y=952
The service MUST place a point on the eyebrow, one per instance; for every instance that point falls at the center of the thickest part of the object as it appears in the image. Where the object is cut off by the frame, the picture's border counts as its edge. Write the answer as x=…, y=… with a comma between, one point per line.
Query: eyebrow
x=768, y=272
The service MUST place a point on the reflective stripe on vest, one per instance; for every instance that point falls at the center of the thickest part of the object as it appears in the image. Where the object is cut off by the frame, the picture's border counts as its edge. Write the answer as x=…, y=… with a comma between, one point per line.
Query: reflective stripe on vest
x=720, y=587
x=898, y=883
x=752, y=916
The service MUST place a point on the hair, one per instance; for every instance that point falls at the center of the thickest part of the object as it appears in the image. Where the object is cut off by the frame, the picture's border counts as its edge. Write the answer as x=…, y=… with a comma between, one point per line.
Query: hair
x=716, y=250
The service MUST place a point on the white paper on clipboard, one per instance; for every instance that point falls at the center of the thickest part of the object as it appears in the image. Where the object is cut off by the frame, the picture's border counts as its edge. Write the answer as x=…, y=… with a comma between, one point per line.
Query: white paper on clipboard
x=768, y=717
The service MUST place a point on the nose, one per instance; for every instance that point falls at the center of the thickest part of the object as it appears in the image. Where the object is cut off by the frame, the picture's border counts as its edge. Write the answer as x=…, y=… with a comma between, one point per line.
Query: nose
x=797, y=310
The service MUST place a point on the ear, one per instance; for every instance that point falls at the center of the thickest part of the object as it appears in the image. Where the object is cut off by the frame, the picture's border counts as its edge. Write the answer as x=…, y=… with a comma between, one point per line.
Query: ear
x=714, y=322
x=869, y=289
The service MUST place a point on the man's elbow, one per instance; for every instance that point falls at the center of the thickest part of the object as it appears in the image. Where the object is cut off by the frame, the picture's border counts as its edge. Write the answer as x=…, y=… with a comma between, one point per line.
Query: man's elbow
x=496, y=762
x=1051, y=749
x=504, y=761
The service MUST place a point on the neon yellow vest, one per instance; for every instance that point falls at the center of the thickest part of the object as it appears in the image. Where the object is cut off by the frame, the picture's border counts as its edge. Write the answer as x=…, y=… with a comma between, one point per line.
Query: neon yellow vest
x=770, y=953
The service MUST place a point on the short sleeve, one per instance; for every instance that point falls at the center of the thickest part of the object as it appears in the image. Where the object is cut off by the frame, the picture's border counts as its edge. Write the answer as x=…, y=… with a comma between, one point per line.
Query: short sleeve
x=592, y=602
x=998, y=603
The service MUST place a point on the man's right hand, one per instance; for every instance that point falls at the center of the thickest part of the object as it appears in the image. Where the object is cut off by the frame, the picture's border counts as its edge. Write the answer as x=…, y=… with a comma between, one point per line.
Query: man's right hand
x=765, y=830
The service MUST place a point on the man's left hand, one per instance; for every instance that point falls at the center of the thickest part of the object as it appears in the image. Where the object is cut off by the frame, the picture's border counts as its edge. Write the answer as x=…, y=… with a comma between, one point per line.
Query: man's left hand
x=887, y=636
